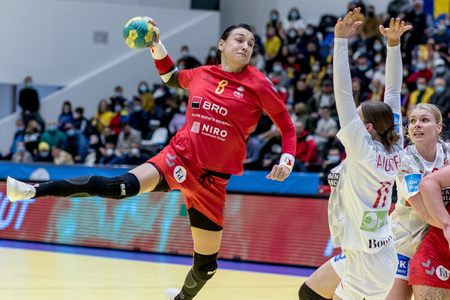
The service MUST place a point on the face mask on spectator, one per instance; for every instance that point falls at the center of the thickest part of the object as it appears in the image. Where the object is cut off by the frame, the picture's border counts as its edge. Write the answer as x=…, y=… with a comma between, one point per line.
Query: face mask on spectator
x=315, y=68
x=292, y=34
x=277, y=68
x=143, y=88
x=172, y=91
x=181, y=67
x=363, y=68
x=377, y=47
x=134, y=152
x=270, y=35
x=294, y=15
x=44, y=154
x=440, y=70
x=21, y=149
x=212, y=53
x=52, y=128
x=118, y=94
x=421, y=66
x=421, y=87
x=70, y=132
x=334, y=159
x=382, y=69
x=309, y=32
x=440, y=89
x=137, y=108
x=329, y=71
x=405, y=73
x=76, y=116
x=20, y=128
x=362, y=50
x=117, y=108
x=442, y=27
x=273, y=17
x=404, y=91
x=183, y=109
x=109, y=152
x=185, y=53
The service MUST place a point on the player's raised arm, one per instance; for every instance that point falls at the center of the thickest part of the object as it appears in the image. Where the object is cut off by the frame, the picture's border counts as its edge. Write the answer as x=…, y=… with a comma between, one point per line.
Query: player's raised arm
x=342, y=81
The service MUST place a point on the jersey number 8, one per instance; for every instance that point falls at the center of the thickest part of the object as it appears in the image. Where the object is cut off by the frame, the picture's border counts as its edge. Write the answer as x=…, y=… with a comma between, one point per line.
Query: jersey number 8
x=221, y=87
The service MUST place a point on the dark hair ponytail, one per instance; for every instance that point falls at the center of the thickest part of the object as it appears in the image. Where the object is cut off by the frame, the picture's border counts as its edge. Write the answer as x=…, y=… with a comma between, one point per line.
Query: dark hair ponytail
x=226, y=34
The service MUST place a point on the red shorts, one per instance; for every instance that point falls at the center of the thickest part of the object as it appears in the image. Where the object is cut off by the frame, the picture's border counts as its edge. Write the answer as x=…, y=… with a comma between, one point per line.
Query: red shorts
x=431, y=263
x=182, y=174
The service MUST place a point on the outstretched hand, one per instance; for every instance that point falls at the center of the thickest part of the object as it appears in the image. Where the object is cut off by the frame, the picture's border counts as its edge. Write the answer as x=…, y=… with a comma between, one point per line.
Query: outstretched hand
x=279, y=172
x=347, y=27
x=156, y=29
x=394, y=31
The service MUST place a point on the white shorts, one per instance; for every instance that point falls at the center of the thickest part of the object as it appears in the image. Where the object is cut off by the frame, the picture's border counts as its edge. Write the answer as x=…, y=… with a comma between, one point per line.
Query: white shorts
x=403, y=267
x=368, y=275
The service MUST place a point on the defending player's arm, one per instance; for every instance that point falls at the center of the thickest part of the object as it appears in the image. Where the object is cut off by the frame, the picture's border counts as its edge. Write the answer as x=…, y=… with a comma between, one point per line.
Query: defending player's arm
x=417, y=204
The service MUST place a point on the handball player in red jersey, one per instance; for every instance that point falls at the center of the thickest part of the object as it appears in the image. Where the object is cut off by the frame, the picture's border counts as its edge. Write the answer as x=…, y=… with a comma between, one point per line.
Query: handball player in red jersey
x=225, y=103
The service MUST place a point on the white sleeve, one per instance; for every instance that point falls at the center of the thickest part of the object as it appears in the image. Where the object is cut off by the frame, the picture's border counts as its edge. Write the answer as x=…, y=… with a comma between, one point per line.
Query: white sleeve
x=356, y=140
x=342, y=83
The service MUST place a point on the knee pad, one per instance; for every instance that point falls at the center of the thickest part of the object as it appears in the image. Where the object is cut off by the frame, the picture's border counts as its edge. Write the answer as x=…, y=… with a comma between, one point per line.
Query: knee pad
x=306, y=293
x=205, y=266
x=119, y=187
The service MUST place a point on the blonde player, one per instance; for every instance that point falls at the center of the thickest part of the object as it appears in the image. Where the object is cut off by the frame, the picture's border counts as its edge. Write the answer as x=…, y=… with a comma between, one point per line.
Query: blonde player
x=362, y=184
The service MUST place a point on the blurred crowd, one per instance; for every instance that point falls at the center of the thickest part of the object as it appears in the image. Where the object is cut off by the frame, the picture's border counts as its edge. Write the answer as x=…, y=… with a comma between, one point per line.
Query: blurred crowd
x=297, y=57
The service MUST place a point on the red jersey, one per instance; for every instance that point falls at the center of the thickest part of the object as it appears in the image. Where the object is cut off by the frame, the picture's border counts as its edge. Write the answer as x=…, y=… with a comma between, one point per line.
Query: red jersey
x=223, y=109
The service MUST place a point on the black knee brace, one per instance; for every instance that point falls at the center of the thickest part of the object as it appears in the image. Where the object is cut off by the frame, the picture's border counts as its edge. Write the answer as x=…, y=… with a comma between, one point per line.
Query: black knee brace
x=205, y=266
x=119, y=187
x=306, y=293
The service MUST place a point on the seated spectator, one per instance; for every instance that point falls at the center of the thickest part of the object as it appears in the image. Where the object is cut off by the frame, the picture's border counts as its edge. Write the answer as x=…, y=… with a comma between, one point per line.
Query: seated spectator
x=292, y=68
x=211, y=59
x=314, y=79
x=370, y=28
x=323, y=98
x=359, y=96
x=81, y=124
x=61, y=157
x=271, y=151
x=280, y=73
x=135, y=157
x=421, y=71
x=441, y=96
x=306, y=154
x=292, y=39
x=43, y=153
x=118, y=98
x=302, y=92
x=190, y=62
x=253, y=146
x=178, y=119
x=107, y=136
x=18, y=137
x=441, y=37
x=404, y=101
x=102, y=116
x=257, y=59
x=377, y=91
x=283, y=55
x=274, y=22
x=442, y=71
x=363, y=72
x=22, y=155
x=75, y=144
x=109, y=156
x=294, y=22
x=421, y=95
x=272, y=47
x=380, y=73
x=328, y=74
x=94, y=152
x=32, y=137
x=127, y=137
x=264, y=124
x=147, y=99
x=326, y=128
x=396, y=8
x=332, y=161
x=66, y=116
x=53, y=136
x=139, y=118
x=282, y=91
x=119, y=115
x=307, y=36
x=378, y=55
x=312, y=56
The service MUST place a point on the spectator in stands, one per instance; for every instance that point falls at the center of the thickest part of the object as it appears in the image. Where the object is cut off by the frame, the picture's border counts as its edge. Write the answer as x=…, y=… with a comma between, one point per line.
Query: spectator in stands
x=421, y=95
x=107, y=136
x=135, y=157
x=293, y=23
x=421, y=71
x=282, y=91
x=178, y=119
x=323, y=98
x=44, y=153
x=292, y=68
x=147, y=99
x=363, y=72
x=380, y=73
x=29, y=102
x=283, y=54
x=404, y=100
x=307, y=36
x=334, y=158
x=76, y=144
x=396, y=8
x=18, y=137
x=442, y=37
x=53, y=136
x=441, y=96
x=302, y=92
x=211, y=59
x=66, y=116
x=272, y=46
x=61, y=157
x=119, y=115
x=190, y=62
x=314, y=79
x=32, y=137
x=94, y=152
x=280, y=73
x=117, y=98
x=328, y=73
x=80, y=123
x=271, y=151
x=22, y=155
x=306, y=149
x=264, y=124
x=274, y=22
x=442, y=71
x=377, y=90
x=378, y=55
x=359, y=96
x=292, y=39
x=109, y=156
x=370, y=27
x=326, y=128
x=102, y=116
x=127, y=137
x=253, y=146
x=258, y=40
x=139, y=118
x=257, y=59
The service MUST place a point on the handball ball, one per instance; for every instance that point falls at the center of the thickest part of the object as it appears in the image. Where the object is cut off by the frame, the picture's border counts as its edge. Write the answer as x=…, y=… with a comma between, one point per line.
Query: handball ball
x=138, y=33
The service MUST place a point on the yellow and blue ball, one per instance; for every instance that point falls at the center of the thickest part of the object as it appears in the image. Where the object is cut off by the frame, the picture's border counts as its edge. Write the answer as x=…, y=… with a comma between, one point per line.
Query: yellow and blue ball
x=138, y=33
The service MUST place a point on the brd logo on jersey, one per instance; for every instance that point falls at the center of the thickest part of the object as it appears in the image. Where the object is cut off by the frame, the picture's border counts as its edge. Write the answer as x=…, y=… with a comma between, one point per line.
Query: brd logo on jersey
x=374, y=220
x=180, y=174
x=412, y=182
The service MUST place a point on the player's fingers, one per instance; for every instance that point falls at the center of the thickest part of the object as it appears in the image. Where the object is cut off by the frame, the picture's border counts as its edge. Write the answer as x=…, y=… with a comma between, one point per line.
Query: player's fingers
x=391, y=23
x=407, y=27
x=382, y=30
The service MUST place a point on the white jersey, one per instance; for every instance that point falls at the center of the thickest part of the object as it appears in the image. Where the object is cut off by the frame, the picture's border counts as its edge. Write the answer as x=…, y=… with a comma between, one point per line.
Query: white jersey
x=407, y=228
x=361, y=190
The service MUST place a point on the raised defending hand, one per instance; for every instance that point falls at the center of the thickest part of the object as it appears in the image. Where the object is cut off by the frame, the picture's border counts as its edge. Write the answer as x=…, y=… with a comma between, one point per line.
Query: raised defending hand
x=279, y=172
x=395, y=31
x=345, y=28
x=156, y=29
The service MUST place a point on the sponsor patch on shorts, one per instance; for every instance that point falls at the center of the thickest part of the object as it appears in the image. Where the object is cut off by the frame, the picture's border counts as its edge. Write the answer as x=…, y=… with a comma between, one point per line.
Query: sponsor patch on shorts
x=442, y=273
x=179, y=174
x=339, y=257
x=403, y=265
x=412, y=182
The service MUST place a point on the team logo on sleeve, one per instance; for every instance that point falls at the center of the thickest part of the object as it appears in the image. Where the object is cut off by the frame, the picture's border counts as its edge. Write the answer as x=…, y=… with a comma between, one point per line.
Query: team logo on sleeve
x=179, y=174
x=412, y=182
x=442, y=273
x=196, y=102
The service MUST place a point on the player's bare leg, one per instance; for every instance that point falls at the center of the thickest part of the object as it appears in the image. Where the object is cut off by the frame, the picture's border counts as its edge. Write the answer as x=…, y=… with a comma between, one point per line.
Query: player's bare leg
x=324, y=280
x=400, y=290
x=423, y=292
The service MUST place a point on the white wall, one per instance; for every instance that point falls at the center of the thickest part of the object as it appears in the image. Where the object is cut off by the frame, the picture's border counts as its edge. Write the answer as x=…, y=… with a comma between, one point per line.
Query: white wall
x=90, y=72
x=185, y=4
